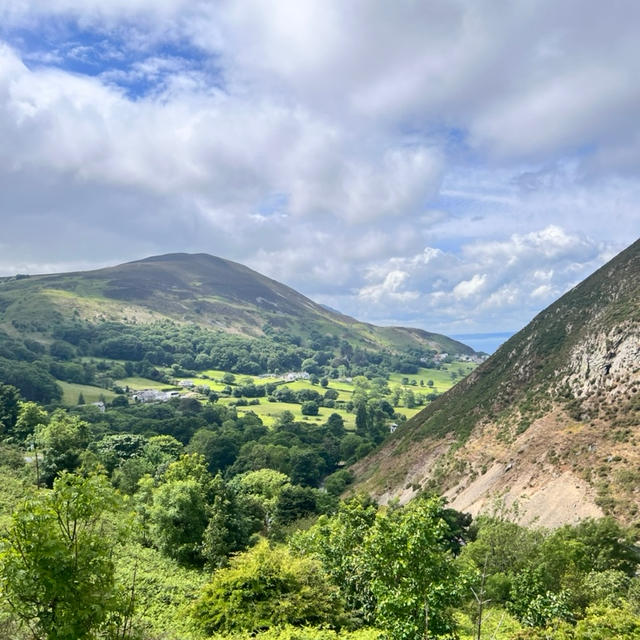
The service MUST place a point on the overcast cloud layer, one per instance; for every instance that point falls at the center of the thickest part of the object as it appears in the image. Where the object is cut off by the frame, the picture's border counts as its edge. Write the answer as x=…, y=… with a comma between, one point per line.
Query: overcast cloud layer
x=455, y=165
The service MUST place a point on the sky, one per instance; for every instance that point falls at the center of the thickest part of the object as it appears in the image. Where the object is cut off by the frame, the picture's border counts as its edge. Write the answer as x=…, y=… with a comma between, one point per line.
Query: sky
x=454, y=165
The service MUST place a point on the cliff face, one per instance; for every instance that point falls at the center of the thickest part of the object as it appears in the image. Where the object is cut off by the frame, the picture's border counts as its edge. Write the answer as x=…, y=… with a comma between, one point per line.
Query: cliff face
x=550, y=424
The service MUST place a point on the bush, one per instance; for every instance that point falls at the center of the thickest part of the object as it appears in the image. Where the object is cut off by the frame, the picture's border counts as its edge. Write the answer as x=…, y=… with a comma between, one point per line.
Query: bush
x=268, y=587
x=309, y=408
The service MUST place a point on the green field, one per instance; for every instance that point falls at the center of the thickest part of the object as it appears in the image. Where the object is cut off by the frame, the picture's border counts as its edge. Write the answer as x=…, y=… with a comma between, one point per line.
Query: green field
x=270, y=411
x=442, y=380
x=71, y=392
x=137, y=384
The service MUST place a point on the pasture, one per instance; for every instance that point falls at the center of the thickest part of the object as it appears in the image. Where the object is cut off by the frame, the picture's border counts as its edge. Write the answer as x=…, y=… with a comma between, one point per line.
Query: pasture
x=71, y=392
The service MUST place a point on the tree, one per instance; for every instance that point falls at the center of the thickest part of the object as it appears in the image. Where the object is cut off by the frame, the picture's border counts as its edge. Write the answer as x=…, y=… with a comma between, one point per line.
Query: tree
x=362, y=419
x=309, y=408
x=335, y=425
x=63, y=442
x=339, y=543
x=294, y=502
x=267, y=587
x=412, y=574
x=30, y=416
x=178, y=520
x=219, y=448
x=56, y=568
x=9, y=408
x=263, y=488
x=337, y=482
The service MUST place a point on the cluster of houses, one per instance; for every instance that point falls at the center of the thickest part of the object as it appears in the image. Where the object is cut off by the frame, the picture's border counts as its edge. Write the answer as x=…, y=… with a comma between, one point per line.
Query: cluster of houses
x=477, y=359
x=154, y=395
x=292, y=376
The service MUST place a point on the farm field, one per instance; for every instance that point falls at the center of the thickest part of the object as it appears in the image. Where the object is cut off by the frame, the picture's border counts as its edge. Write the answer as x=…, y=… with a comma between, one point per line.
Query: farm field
x=217, y=374
x=137, y=384
x=398, y=383
x=270, y=411
x=71, y=391
x=442, y=380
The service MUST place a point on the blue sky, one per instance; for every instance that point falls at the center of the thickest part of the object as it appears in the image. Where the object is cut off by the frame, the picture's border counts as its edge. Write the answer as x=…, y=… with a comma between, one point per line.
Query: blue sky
x=454, y=165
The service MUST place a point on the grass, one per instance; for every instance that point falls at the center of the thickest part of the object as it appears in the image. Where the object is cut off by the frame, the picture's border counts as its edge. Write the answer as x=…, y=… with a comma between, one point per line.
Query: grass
x=345, y=390
x=71, y=392
x=270, y=411
x=442, y=380
x=136, y=384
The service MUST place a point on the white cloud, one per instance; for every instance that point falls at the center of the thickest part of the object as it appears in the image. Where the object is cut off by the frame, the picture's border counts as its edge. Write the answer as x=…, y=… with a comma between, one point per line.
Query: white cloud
x=448, y=164
x=468, y=288
x=390, y=289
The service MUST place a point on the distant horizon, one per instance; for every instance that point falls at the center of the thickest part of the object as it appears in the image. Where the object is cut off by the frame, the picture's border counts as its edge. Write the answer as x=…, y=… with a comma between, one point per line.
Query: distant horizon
x=487, y=342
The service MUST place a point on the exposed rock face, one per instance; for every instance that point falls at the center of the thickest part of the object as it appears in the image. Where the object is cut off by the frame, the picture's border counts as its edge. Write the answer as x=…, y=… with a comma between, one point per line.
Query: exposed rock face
x=608, y=361
x=550, y=423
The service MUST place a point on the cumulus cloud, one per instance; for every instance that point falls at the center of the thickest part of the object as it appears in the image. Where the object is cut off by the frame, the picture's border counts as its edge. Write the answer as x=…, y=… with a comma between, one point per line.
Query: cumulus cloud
x=468, y=288
x=486, y=283
x=454, y=165
x=390, y=289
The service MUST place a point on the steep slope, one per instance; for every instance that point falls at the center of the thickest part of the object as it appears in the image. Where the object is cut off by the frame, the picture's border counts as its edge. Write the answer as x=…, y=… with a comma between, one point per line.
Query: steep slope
x=551, y=420
x=197, y=288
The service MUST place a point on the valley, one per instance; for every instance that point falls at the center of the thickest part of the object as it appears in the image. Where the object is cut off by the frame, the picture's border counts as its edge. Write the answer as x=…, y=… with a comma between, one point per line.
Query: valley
x=205, y=440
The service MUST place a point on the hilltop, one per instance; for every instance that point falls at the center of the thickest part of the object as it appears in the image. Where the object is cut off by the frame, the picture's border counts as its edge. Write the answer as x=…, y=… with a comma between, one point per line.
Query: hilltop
x=193, y=288
x=549, y=423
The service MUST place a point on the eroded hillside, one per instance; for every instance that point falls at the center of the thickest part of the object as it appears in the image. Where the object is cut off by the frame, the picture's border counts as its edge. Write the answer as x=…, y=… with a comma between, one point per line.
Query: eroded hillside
x=550, y=421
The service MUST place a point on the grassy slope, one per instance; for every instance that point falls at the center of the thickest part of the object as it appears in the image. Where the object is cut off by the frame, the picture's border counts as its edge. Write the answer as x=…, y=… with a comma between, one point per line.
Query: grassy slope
x=524, y=367
x=520, y=382
x=192, y=288
x=71, y=392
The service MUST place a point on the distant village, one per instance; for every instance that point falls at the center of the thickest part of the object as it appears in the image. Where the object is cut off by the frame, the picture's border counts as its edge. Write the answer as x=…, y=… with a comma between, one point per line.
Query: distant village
x=156, y=395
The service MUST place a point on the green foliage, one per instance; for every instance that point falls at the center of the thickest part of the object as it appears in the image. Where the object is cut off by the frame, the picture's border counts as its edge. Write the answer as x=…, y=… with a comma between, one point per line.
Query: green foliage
x=62, y=442
x=412, y=575
x=195, y=517
x=30, y=417
x=339, y=543
x=56, y=567
x=232, y=521
x=391, y=566
x=31, y=378
x=534, y=605
x=290, y=632
x=268, y=587
x=338, y=481
x=178, y=520
x=546, y=576
x=309, y=408
x=263, y=488
x=294, y=502
x=163, y=587
x=603, y=623
x=9, y=408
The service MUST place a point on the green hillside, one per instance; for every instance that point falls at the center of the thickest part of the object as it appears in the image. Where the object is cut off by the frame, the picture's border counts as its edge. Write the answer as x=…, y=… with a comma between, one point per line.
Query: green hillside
x=193, y=288
x=558, y=399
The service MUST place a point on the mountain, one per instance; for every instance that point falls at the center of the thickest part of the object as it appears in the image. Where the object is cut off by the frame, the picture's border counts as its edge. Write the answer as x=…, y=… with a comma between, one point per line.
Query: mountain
x=550, y=424
x=195, y=288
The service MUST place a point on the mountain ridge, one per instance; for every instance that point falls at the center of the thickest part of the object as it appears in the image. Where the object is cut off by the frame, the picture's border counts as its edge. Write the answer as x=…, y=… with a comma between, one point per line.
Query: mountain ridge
x=559, y=399
x=203, y=289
